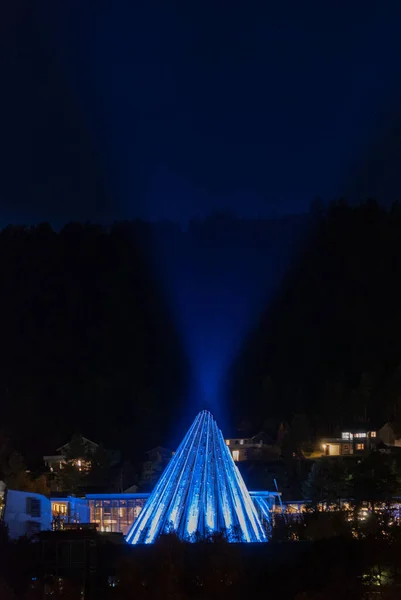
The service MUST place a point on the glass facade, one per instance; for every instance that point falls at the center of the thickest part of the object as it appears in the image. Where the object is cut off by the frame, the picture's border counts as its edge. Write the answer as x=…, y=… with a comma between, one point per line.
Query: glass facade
x=115, y=512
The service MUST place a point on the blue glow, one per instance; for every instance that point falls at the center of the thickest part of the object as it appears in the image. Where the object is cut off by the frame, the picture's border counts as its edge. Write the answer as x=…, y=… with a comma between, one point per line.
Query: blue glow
x=201, y=492
x=217, y=277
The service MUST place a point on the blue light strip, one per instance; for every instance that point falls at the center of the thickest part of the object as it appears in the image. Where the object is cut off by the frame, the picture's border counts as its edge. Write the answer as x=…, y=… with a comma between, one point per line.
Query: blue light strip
x=224, y=492
x=196, y=486
x=143, y=521
x=249, y=507
x=180, y=489
x=263, y=505
x=210, y=485
x=201, y=492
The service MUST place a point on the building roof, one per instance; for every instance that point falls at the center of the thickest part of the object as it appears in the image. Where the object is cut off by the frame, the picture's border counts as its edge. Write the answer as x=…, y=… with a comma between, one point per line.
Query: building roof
x=361, y=426
x=54, y=457
x=159, y=449
x=122, y=496
x=252, y=438
x=84, y=439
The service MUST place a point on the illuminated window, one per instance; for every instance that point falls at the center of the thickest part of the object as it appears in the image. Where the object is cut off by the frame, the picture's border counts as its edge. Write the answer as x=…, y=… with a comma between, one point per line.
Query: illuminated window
x=59, y=508
x=228, y=442
x=373, y=434
x=346, y=435
x=241, y=442
x=360, y=446
x=236, y=455
x=360, y=435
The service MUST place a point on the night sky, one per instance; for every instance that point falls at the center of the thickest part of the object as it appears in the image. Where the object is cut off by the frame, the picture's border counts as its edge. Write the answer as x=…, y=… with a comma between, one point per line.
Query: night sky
x=174, y=109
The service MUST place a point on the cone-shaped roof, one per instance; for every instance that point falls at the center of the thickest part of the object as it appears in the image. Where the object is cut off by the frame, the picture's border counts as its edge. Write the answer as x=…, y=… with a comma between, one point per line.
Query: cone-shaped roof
x=201, y=492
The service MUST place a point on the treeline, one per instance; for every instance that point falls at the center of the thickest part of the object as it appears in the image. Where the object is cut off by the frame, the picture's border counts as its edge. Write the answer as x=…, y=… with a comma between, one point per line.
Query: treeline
x=110, y=330
x=329, y=345
x=86, y=342
x=102, y=328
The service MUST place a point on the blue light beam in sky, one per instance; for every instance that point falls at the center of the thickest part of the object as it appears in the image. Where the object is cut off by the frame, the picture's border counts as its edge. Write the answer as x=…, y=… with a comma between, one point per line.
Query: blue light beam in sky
x=201, y=492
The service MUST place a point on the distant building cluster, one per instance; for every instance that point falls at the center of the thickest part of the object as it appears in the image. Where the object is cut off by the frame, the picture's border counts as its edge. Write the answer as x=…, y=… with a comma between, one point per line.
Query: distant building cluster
x=27, y=513
x=360, y=440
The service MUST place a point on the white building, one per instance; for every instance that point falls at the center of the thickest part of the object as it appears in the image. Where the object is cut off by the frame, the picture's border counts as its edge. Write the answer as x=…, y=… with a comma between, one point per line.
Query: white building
x=252, y=448
x=26, y=513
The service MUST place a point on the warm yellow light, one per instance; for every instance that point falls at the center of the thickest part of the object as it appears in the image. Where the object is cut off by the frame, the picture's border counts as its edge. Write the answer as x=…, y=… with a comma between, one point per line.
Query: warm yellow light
x=324, y=446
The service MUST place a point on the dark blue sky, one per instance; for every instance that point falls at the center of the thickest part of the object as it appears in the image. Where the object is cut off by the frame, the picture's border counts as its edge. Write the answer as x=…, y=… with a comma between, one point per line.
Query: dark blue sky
x=173, y=109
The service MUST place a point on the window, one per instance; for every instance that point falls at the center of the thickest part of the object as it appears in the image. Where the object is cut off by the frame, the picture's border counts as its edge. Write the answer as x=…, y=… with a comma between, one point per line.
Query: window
x=360, y=435
x=360, y=446
x=236, y=455
x=59, y=508
x=32, y=528
x=373, y=434
x=33, y=507
x=346, y=435
x=228, y=442
x=241, y=442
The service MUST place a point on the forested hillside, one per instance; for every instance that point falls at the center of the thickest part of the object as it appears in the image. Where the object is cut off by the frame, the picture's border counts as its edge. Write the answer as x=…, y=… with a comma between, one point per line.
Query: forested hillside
x=112, y=328
x=330, y=343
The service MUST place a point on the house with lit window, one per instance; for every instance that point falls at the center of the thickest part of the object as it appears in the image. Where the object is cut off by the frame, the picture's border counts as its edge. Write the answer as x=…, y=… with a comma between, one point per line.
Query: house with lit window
x=251, y=448
x=349, y=442
x=79, y=453
x=56, y=461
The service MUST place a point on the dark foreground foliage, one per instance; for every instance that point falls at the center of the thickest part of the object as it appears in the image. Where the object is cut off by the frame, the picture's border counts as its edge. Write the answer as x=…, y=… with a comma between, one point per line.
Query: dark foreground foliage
x=348, y=560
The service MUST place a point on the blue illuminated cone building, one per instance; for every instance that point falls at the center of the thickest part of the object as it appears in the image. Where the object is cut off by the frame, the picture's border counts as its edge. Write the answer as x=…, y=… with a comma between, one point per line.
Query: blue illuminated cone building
x=201, y=492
